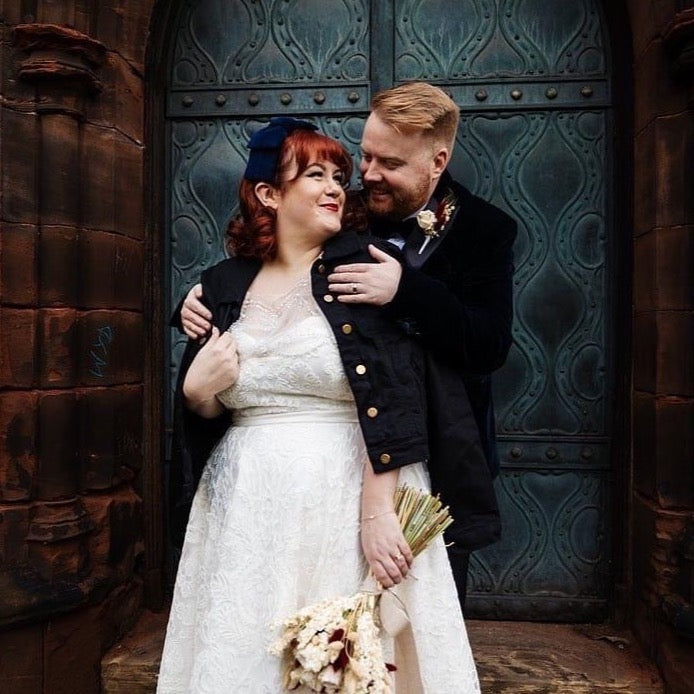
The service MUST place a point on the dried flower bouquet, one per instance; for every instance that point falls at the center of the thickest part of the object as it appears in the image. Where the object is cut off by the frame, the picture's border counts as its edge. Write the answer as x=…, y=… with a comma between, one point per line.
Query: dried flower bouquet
x=335, y=645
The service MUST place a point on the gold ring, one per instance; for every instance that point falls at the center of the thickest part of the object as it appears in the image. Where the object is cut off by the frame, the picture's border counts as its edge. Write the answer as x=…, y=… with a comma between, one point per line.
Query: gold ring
x=354, y=288
x=398, y=557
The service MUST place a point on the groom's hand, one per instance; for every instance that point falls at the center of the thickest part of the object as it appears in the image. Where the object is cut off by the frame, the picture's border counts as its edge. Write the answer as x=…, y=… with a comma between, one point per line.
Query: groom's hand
x=195, y=316
x=367, y=283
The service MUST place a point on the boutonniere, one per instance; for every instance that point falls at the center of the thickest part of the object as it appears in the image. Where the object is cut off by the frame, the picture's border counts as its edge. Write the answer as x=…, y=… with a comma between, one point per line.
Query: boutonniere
x=431, y=223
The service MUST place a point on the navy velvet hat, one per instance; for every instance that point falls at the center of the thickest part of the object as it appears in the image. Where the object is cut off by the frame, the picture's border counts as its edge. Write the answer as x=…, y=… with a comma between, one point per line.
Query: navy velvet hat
x=265, y=147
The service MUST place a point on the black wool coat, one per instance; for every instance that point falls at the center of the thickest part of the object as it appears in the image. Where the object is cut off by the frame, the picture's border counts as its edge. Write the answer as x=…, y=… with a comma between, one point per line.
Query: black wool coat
x=457, y=296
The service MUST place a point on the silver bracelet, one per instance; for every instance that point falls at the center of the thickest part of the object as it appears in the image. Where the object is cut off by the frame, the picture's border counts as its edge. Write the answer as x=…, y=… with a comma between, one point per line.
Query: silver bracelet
x=376, y=515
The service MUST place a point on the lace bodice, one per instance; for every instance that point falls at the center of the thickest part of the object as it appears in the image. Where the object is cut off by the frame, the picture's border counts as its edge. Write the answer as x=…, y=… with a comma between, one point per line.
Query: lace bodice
x=289, y=361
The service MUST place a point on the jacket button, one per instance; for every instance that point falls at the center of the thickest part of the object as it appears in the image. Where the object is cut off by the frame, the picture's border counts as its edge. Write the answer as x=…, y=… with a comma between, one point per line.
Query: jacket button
x=372, y=412
x=385, y=458
x=360, y=369
x=346, y=328
x=321, y=268
x=328, y=298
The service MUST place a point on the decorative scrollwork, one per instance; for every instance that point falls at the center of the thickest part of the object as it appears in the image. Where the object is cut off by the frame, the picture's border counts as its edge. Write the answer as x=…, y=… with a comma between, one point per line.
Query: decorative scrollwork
x=559, y=350
x=497, y=38
x=244, y=42
x=555, y=539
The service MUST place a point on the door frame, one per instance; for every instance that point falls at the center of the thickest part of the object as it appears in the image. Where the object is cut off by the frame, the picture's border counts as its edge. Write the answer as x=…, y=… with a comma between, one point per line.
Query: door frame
x=616, y=15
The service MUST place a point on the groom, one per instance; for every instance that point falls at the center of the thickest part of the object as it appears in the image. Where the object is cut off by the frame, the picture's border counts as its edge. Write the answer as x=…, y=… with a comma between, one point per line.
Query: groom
x=454, y=291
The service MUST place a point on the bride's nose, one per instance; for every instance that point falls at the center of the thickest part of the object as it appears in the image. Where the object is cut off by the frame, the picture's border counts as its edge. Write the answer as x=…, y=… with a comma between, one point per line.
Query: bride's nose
x=333, y=187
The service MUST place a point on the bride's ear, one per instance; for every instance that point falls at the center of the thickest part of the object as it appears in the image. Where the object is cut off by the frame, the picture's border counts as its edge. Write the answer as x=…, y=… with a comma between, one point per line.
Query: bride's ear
x=266, y=194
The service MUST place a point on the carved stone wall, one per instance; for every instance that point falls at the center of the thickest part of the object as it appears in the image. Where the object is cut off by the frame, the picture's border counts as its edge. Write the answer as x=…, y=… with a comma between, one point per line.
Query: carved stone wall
x=663, y=366
x=72, y=250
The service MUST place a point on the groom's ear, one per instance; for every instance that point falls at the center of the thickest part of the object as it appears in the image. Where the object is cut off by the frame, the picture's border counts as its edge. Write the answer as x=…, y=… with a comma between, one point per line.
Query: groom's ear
x=266, y=194
x=439, y=161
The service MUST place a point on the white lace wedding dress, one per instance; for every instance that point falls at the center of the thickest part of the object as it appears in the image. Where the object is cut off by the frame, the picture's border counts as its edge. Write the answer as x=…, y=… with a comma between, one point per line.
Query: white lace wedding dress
x=275, y=522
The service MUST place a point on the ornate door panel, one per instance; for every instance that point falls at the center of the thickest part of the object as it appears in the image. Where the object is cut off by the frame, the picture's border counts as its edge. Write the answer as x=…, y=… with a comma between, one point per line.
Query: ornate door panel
x=532, y=82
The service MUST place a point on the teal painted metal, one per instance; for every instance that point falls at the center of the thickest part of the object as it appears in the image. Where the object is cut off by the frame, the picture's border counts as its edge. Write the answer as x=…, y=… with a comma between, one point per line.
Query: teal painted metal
x=533, y=84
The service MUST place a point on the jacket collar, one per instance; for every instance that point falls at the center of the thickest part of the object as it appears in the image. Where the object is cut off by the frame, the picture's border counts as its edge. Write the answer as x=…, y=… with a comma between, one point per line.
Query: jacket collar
x=342, y=245
x=231, y=287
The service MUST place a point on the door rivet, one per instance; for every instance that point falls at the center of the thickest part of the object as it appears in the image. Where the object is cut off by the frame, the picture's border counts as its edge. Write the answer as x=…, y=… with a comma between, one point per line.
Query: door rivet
x=253, y=99
x=587, y=92
x=551, y=93
x=481, y=95
x=516, y=94
x=220, y=100
x=319, y=97
x=286, y=98
x=551, y=453
x=353, y=97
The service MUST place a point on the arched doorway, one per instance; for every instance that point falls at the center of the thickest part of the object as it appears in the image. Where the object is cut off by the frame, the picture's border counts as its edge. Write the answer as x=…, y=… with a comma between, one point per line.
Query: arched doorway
x=533, y=83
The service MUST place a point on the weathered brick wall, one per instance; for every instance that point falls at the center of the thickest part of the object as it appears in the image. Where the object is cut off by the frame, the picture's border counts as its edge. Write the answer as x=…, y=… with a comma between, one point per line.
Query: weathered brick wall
x=72, y=252
x=663, y=366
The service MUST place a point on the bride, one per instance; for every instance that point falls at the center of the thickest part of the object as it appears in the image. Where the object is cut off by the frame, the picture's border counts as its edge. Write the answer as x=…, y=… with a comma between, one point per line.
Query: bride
x=327, y=416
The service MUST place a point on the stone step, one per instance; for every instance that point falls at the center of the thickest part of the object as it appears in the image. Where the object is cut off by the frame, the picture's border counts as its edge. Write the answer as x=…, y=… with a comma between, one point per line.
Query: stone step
x=520, y=657
x=512, y=658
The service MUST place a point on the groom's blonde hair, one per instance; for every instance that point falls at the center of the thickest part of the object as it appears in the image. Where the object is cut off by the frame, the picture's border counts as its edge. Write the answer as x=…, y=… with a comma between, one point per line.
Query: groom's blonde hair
x=419, y=107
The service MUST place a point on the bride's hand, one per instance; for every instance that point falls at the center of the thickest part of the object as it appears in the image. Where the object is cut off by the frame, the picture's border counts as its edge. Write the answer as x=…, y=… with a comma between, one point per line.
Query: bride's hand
x=385, y=548
x=214, y=369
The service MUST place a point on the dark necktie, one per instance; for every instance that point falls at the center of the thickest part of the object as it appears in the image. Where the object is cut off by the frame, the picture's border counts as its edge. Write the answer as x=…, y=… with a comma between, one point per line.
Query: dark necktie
x=386, y=228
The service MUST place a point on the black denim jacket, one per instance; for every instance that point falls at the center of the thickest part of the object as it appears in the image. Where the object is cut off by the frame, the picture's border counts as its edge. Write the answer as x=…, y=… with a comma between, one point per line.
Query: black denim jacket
x=411, y=408
x=384, y=367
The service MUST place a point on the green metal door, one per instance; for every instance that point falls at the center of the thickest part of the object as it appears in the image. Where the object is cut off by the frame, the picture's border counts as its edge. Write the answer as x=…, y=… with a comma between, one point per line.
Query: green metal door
x=532, y=80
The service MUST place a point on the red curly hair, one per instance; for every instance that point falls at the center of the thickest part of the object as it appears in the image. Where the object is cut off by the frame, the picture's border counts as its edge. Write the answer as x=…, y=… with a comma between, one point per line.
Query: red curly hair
x=253, y=233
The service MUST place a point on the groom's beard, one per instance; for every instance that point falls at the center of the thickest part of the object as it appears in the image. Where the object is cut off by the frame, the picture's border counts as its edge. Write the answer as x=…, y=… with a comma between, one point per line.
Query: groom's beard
x=396, y=205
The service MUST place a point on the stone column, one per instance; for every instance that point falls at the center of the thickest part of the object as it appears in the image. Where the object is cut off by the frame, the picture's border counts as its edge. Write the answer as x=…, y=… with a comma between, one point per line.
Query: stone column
x=663, y=404
x=71, y=347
